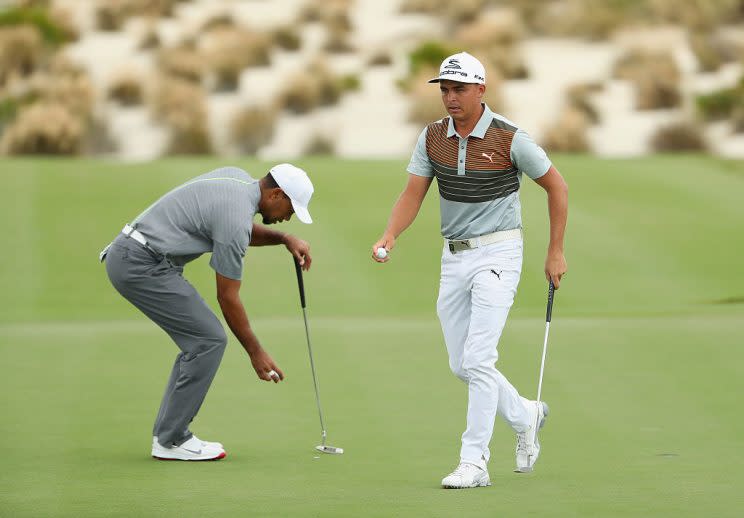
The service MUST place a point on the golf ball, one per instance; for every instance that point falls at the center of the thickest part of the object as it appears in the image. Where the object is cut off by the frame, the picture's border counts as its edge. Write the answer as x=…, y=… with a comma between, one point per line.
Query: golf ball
x=381, y=253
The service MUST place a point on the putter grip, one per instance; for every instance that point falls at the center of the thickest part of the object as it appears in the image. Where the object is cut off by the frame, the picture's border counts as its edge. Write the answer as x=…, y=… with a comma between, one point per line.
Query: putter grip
x=300, y=283
x=549, y=313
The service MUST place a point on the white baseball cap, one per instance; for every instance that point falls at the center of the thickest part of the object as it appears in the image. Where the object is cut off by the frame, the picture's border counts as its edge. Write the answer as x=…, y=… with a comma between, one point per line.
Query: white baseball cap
x=295, y=184
x=462, y=68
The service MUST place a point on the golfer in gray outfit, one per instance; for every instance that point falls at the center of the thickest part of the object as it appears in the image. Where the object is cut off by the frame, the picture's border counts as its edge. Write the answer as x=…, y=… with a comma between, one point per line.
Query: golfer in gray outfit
x=211, y=213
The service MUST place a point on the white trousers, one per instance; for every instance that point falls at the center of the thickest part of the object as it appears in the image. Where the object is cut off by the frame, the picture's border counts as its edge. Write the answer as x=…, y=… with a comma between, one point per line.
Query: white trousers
x=476, y=291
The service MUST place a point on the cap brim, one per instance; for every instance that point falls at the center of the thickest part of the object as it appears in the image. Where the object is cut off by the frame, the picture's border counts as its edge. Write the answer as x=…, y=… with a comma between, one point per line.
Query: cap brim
x=440, y=79
x=302, y=213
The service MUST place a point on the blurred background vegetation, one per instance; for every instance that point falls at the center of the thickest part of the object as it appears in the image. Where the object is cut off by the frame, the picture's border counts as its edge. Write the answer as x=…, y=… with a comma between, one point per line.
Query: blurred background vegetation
x=142, y=79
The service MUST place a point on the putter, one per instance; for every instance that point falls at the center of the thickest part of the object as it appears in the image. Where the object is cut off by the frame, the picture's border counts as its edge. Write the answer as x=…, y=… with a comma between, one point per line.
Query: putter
x=322, y=447
x=548, y=316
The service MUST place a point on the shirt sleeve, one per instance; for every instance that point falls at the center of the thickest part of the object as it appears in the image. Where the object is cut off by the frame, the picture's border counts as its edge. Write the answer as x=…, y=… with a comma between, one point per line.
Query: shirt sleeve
x=227, y=258
x=419, y=164
x=528, y=156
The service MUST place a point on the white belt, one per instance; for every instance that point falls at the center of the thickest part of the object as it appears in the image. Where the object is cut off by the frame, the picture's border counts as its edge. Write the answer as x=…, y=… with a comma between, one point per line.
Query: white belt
x=129, y=231
x=458, y=245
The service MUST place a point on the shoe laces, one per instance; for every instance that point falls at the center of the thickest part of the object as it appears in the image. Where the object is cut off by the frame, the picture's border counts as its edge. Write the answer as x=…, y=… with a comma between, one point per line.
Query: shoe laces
x=462, y=469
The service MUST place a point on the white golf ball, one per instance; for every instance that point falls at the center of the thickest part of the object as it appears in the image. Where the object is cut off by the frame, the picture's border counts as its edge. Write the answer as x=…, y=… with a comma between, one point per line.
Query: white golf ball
x=381, y=253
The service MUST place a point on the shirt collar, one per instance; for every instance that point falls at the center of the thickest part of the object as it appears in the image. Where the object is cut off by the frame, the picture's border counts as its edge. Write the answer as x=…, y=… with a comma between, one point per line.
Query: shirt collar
x=480, y=128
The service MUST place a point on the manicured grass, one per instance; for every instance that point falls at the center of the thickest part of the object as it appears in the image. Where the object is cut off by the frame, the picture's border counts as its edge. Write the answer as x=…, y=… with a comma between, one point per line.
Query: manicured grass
x=643, y=372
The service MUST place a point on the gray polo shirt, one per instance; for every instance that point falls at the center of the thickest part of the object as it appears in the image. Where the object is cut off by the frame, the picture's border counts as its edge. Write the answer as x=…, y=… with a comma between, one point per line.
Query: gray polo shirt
x=211, y=213
x=478, y=176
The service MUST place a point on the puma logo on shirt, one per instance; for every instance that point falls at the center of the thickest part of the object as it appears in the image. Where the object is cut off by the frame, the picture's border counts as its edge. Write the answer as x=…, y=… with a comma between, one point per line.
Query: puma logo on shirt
x=489, y=157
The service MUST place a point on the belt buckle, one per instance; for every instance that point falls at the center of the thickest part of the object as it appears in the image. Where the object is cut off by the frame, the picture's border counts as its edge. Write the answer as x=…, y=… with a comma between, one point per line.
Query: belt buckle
x=458, y=245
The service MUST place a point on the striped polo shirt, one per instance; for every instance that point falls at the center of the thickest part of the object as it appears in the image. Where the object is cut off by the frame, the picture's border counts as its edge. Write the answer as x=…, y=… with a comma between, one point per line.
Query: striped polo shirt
x=211, y=213
x=478, y=176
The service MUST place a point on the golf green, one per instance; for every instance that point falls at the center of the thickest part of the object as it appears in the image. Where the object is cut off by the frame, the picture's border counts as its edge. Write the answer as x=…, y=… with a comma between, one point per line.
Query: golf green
x=643, y=374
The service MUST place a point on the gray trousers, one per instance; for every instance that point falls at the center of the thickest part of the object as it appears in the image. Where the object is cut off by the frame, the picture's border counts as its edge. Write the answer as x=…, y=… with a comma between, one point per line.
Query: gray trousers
x=157, y=288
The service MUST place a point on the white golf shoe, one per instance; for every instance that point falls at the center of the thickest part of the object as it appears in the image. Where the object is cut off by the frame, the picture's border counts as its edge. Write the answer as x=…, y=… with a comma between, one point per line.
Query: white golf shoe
x=528, y=446
x=205, y=443
x=193, y=449
x=466, y=475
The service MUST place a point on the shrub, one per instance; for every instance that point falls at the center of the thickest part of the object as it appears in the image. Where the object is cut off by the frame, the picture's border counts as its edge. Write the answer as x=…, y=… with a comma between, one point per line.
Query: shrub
x=218, y=21
x=126, y=88
x=568, y=133
x=43, y=128
x=426, y=100
x=578, y=97
x=75, y=93
x=149, y=39
x=53, y=32
x=253, y=128
x=429, y=54
x=379, y=59
x=21, y=52
x=182, y=107
x=719, y=104
x=228, y=52
x=319, y=145
x=655, y=76
x=182, y=62
x=287, y=38
x=301, y=93
x=338, y=42
x=313, y=87
x=678, y=136
x=507, y=61
x=737, y=119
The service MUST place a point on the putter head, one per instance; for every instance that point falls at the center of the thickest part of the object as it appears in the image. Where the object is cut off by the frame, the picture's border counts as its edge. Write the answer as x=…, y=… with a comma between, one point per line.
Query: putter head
x=331, y=450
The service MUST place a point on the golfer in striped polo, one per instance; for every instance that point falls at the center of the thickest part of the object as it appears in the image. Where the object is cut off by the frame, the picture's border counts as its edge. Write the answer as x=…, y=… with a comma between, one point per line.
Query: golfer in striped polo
x=478, y=158
x=212, y=213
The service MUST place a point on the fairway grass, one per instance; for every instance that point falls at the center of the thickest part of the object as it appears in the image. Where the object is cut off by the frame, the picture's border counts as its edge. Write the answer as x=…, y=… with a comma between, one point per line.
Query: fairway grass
x=643, y=375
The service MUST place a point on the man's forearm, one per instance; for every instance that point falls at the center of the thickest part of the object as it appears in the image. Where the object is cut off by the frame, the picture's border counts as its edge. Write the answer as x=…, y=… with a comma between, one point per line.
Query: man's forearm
x=264, y=236
x=237, y=320
x=404, y=212
x=558, y=212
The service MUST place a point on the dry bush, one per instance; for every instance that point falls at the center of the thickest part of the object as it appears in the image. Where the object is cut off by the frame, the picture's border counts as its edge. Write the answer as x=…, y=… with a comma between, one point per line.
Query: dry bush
x=695, y=14
x=316, y=86
x=301, y=93
x=737, y=119
x=44, y=128
x=287, y=38
x=568, y=133
x=380, y=58
x=227, y=52
x=338, y=42
x=426, y=105
x=507, y=61
x=679, y=136
x=578, y=97
x=181, y=106
x=454, y=13
x=502, y=28
x=655, y=76
x=182, y=62
x=712, y=51
x=74, y=93
x=218, y=21
x=421, y=6
x=253, y=128
x=149, y=40
x=110, y=15
x=61, y=66
x=21, y=52
x=319, y=145
x=126, y=88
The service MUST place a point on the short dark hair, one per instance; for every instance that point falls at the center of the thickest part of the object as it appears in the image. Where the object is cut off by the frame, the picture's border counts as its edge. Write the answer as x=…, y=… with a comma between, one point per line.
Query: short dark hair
x=270, y=182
